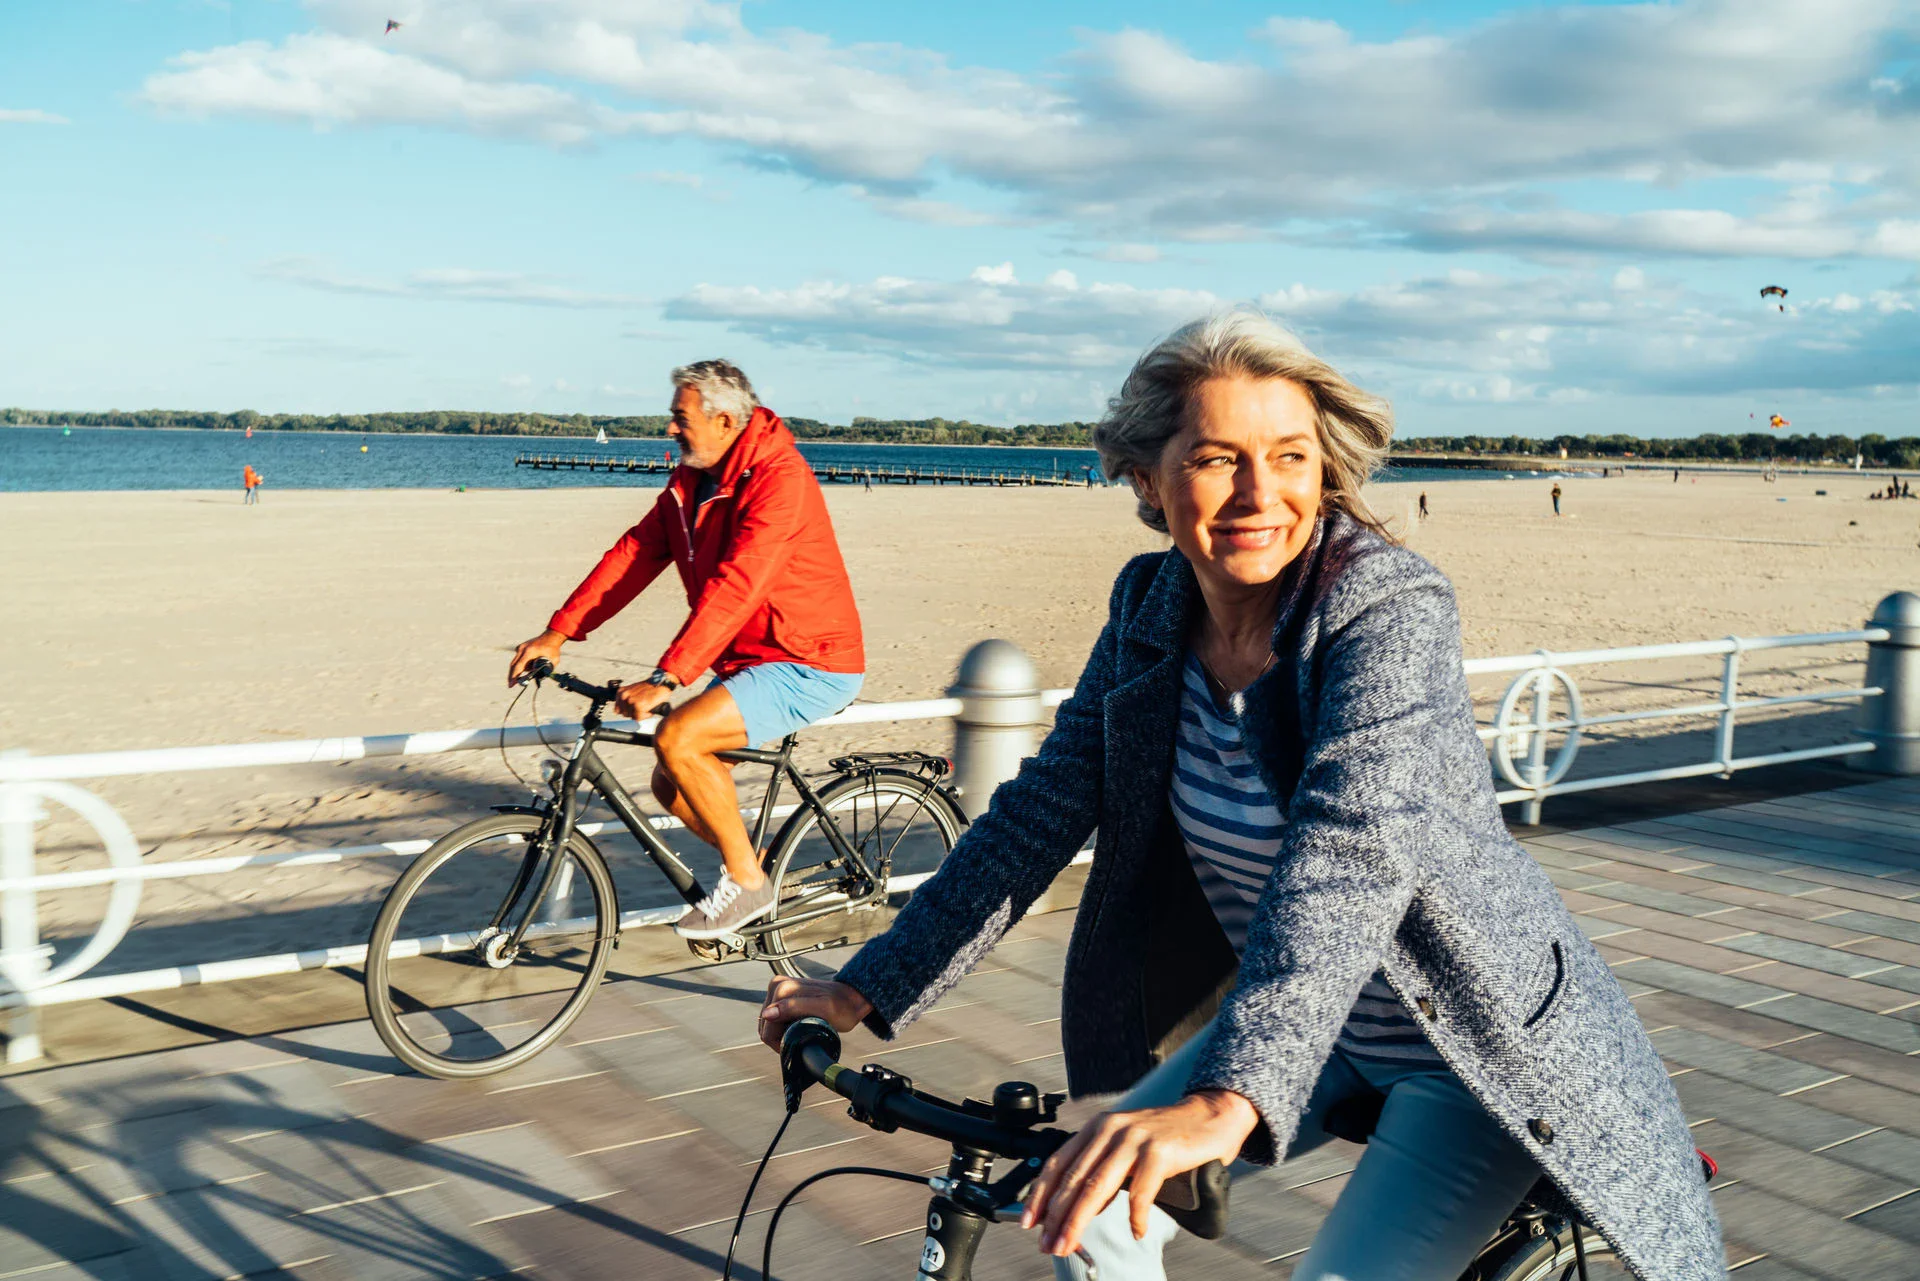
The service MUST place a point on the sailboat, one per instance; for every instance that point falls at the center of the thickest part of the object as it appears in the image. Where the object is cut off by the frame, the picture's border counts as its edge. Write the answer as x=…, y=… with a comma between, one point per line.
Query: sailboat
x=601, y=439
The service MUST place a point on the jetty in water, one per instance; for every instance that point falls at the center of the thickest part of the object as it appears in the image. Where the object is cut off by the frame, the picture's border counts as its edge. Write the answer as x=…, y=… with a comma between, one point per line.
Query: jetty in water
x=830, y=473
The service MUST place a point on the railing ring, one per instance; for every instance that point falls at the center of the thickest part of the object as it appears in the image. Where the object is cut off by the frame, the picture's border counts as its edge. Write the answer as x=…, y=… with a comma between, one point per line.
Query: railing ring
x=1511, y=739
x=123, y=852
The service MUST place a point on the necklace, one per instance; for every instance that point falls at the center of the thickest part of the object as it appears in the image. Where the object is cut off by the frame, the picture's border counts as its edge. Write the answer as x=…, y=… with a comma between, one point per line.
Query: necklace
x=1235, y=698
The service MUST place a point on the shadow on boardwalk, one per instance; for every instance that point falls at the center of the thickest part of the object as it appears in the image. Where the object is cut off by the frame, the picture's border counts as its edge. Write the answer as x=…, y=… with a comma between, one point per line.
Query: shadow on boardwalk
x=1772, y=948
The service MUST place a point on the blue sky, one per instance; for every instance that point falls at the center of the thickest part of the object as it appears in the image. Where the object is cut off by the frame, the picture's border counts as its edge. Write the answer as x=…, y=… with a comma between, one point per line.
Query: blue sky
x=1528, y=219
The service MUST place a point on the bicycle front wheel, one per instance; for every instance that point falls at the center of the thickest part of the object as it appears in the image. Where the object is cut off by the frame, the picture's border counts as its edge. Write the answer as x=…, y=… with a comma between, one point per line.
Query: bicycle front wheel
x=901, y=824
x=1551, y=1258
x=447, y=989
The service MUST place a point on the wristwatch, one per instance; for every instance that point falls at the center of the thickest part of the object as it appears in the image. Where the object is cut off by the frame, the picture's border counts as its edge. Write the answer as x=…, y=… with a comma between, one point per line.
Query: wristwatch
x=663, y=678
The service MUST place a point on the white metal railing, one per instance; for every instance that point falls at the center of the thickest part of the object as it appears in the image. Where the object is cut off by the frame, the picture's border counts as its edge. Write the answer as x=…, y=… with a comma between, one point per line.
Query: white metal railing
x=1519, y=747
x=1517, y=739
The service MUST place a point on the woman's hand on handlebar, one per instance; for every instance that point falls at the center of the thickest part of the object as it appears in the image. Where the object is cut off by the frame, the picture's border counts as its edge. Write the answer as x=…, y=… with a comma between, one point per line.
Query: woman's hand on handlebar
x=1134, y=1152
x=546, y=645
x=790, y=999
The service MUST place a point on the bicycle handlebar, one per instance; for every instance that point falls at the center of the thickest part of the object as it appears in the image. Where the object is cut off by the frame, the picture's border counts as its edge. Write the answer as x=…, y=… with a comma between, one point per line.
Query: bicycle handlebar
x=810, y=1051
x=542, y=669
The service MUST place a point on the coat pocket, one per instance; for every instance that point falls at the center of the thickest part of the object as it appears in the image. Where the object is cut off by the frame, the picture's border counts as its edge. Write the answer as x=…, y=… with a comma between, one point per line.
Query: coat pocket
x=1544, y=994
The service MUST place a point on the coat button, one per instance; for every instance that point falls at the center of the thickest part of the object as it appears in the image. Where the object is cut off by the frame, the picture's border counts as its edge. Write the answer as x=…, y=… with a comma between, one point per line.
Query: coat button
x=1541, y=1129
x=1425, y=1007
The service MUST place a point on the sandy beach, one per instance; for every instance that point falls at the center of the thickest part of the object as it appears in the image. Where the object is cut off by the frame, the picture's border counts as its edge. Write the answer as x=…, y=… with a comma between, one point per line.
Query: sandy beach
x=172, y=618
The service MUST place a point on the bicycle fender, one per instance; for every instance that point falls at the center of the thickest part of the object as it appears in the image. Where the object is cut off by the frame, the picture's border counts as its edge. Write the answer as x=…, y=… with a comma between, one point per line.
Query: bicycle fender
x=537, y=811
x=953, y=797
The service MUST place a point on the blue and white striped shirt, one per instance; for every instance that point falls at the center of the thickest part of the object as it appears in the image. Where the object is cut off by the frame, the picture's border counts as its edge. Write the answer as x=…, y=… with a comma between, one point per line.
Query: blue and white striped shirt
x=1232, y=831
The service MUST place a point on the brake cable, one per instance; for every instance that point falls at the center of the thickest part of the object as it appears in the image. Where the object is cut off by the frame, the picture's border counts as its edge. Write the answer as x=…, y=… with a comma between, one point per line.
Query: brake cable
x=773, y=1224
x=739, y=1220
x=530, y=683
x=504, y=718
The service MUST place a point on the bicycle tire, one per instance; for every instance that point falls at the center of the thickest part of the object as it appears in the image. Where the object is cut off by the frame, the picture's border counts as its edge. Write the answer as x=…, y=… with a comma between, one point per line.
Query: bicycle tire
x=939, y=818
x=1551, y=1258
x=379, y=971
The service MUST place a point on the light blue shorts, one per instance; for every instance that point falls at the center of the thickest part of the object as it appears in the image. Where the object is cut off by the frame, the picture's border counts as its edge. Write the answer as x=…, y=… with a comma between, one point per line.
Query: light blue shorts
x=778, y=699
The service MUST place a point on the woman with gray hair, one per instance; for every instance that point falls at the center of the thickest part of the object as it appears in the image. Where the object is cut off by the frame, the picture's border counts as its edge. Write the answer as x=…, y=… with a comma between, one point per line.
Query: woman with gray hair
x=1303, y=896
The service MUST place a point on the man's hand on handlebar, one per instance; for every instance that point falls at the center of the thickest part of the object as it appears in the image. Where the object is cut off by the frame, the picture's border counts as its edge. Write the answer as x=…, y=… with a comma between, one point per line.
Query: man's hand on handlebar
x=791, y=999
x=642, y=700
x=546, y=645
x=1134, y=1152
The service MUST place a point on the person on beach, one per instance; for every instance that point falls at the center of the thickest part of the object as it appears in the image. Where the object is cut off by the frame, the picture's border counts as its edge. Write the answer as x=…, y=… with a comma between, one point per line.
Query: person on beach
x=1302, y=891
x=1423, y=504
x=249, y=486
x=1556, y=498
x=744, y=522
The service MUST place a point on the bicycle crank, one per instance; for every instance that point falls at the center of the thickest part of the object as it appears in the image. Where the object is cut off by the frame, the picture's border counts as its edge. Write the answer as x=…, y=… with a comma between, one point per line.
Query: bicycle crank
x=717, y=949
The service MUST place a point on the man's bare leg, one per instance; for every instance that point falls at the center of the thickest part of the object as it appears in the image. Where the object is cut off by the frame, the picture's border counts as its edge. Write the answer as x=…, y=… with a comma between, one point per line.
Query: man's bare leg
x=699, y=788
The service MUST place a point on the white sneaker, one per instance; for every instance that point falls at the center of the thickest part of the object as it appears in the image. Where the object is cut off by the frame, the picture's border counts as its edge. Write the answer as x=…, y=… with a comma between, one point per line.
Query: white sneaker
x=726, y=911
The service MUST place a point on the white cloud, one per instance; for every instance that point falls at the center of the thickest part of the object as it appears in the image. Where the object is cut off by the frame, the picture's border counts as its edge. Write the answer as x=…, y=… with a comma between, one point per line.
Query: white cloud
x=1460, y=335
x=937, y=213
x=30, y=116
x=994, y=322
x=1125, y=253
x=1001, y=275
x=440, y=284
x=1443, y=141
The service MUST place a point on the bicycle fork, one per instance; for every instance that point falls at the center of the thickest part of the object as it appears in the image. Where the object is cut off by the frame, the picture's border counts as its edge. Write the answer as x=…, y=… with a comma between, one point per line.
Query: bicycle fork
x=958, y=1216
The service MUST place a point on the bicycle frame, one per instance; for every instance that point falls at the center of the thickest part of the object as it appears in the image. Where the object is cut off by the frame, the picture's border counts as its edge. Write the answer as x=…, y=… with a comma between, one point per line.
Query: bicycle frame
x=584, y=768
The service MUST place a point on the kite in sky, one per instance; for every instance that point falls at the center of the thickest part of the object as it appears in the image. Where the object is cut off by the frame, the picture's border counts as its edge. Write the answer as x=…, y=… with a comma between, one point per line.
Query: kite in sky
x=393, y=26
x=1778, y=421
x=1775, y=291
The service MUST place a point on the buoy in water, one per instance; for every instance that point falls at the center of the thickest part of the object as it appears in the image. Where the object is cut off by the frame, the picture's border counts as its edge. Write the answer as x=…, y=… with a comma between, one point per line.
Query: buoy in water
x=66, y=431
x=363, y=449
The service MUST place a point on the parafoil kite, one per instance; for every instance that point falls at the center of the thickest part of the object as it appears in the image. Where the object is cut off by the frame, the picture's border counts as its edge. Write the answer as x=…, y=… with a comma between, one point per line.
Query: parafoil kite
x=1775, y=291
x=1778, y=421
x=393, y=26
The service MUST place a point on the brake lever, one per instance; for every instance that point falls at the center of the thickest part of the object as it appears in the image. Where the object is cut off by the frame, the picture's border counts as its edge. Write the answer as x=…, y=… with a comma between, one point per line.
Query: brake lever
x=1011, y=1214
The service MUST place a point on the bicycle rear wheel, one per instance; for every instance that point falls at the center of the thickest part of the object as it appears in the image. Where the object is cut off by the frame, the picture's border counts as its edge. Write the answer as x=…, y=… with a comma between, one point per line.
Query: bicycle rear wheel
x=903, y=827
x=446, y=990
x=1551, y=1258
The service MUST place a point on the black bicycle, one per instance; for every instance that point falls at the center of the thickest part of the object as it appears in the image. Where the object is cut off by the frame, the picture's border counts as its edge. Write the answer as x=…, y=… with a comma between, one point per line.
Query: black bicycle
x=967, y=1197
x=492, y=942
x=1544, y=1239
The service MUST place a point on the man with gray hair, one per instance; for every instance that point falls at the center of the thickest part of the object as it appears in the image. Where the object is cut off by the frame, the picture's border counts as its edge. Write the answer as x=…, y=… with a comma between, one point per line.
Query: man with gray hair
x=772, y=614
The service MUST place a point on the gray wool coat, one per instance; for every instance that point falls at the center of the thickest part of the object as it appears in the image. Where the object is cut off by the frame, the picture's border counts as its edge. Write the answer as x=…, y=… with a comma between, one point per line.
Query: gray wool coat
x=1395, y=857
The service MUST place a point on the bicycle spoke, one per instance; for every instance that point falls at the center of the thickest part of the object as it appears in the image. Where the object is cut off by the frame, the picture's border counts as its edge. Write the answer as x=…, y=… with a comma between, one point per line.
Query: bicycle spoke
x=878, y=818
x=458, y=987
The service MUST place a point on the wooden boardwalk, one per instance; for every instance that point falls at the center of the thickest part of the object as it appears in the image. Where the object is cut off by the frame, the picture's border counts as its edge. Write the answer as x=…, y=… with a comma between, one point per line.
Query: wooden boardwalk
x=1772, y=947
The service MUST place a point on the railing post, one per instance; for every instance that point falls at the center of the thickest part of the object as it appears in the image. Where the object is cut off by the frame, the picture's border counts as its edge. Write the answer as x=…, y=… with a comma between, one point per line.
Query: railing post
x=1891, y=722
x=1537, y=747
x=22, y=958
x=1729, y=706
x=1000, y=711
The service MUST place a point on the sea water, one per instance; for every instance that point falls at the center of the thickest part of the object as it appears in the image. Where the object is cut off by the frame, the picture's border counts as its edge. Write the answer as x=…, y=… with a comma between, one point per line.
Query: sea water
x=106, y=458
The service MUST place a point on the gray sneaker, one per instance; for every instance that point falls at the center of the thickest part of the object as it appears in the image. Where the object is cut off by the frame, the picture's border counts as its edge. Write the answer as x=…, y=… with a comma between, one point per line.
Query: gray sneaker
x=726, y=911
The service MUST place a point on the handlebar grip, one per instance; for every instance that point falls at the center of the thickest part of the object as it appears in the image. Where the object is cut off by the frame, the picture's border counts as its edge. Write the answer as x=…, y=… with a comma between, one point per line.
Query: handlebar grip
x=539, y=669
x=1197, y=1200
x=808, y=1048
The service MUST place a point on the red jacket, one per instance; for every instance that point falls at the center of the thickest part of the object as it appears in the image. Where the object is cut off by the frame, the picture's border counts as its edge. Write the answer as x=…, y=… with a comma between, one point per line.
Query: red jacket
x=758, y=559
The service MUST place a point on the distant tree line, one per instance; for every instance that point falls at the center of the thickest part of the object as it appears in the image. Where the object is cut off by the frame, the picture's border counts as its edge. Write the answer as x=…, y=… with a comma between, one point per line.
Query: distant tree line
x=1751, y=447
x=919, y=431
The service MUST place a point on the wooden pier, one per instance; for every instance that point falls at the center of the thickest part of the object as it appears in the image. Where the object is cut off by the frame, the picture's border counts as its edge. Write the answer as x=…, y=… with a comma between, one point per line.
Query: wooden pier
x=828, y=473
